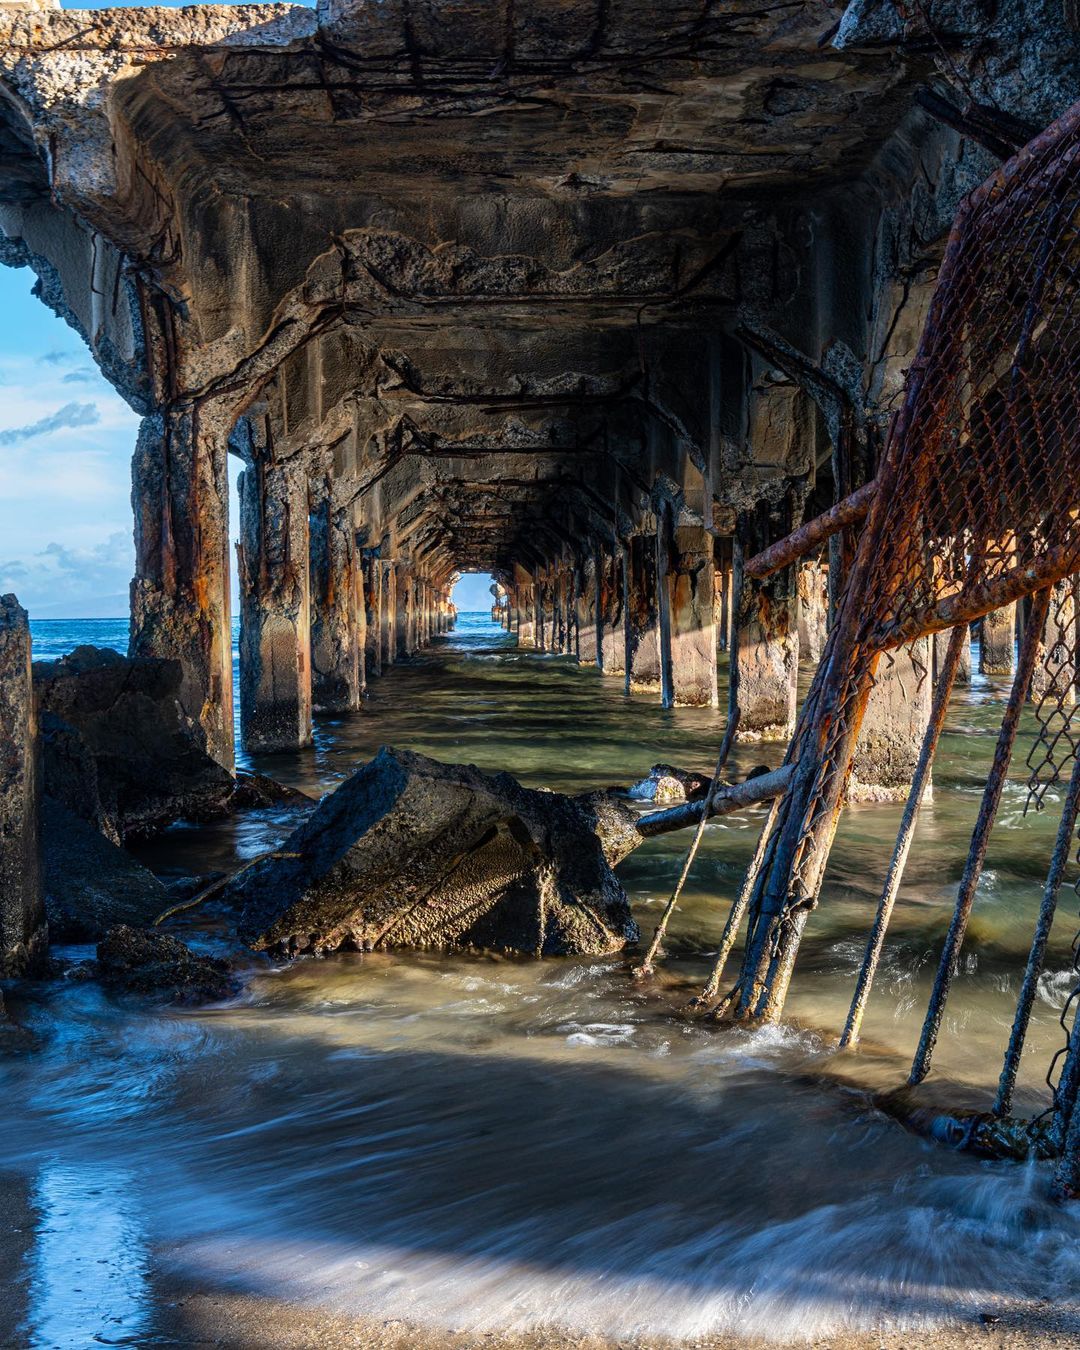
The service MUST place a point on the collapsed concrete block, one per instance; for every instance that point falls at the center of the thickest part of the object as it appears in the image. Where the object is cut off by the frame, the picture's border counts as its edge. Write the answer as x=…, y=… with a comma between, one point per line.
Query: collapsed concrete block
x=409, y=852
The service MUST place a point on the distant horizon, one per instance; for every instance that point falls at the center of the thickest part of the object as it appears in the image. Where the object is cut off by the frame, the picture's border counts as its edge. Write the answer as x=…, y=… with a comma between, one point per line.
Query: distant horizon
x=111, y=618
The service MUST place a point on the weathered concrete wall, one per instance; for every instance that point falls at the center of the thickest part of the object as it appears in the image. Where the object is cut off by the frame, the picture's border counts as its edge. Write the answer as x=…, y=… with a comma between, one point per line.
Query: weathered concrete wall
x=23, y=930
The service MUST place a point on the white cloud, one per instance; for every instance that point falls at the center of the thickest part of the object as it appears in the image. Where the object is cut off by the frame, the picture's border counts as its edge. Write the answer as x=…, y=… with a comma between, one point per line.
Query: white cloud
x=71, y=581
x=70, y=415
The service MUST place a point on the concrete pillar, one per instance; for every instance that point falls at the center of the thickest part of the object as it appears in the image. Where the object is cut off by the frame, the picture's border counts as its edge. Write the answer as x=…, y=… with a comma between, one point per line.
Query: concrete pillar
x=338, y=618
x=998, y=630
x=664, y=549
x=765, y=656
x=23, y=930
x=941, y=646
x=1054, y=676
x=275, y=607
x=586, y=611
x=403, y=611
x=372, y=601
x=722, y=593
x=894, y=724
x=812, y=584
x=526, y=601
x=641, y=617
x=997, y=641
x=180, y=594
x=613, y=631
x=693, y=628
x=389, y=612
x=542, y=629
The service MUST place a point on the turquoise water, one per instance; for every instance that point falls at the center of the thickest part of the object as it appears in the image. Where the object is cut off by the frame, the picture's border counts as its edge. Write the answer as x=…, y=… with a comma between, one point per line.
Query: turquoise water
x=504, y=1145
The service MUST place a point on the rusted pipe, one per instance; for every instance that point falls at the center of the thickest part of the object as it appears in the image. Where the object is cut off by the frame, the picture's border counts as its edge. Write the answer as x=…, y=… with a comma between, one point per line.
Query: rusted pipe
x=980, y=838
x=646, y=967
x=972, y=602
x=807, y=537
x=727, y=800
x=906, y=833
x=1037, y=954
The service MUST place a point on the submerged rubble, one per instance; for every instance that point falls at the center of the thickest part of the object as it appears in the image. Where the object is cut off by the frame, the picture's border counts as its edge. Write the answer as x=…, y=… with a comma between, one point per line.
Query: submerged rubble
x=142, y=961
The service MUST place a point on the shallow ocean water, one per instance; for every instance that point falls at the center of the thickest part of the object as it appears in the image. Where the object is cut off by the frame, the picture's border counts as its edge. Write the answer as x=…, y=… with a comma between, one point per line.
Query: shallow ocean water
x=498, y=1144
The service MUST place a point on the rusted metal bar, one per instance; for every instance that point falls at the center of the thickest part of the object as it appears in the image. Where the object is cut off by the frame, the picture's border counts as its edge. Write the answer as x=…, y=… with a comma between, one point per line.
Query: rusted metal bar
x=903, y=839
x=808, y=537
x=1037, y=954
x=726, y=801
x=972, y=602
x=1066, y=1183
x=995, y=784
x=735, y=914
x=646, y=967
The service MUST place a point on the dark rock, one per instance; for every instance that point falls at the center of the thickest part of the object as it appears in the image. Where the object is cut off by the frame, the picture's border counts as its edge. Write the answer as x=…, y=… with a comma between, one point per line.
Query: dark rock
x=409, y=852
x=142, y=961
x=255, y=790
x=124, y=718
x=90, y=884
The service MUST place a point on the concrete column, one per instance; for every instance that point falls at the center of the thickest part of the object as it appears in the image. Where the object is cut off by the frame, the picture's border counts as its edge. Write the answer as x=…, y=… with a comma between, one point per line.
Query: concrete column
x=997, y=641
x=586, y=612
x=641, y=617
x=573, y=616
x=894, y=724
x=664, y=549
x=338, y=620
x=23, y=929
x=539, y=591
x=526, y=598
x=389, y=612
x=722, y=593
x=1055, y=665
x=372, y=602
x=693, y=630
x=998, y=630
x=613, y=652
x=765, y=657
x=180, y=594
x=941, y=646
x=403, y=610
x=812, y=584
x=275, y=607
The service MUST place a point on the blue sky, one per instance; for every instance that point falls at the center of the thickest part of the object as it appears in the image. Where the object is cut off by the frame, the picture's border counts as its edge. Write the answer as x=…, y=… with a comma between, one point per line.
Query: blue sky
x=65, y=454
x=66, y=439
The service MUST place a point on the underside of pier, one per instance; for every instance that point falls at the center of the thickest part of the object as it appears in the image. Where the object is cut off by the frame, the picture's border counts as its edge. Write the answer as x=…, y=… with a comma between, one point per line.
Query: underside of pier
x=608, y=301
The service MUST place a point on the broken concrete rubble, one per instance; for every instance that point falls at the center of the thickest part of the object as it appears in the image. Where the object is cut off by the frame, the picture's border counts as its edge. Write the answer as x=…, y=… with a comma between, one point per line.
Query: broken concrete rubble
x=142, y=961
x=123, y=716
x=91, y=884
x=410, y=852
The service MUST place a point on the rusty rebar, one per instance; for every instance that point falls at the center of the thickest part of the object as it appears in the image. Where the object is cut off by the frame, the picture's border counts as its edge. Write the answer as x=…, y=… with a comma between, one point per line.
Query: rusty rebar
x=812, y=535
x=646, y=967
x=1037, y=954
x=995, y=784
x=906, y=833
